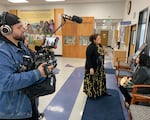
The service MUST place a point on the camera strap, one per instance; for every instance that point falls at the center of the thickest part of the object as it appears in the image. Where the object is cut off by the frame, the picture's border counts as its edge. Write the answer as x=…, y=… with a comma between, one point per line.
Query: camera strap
x=18, y=63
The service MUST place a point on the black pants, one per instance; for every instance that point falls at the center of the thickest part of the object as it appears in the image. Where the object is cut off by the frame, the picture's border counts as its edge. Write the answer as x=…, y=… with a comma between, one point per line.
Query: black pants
x=35, y=112
x=126, y=94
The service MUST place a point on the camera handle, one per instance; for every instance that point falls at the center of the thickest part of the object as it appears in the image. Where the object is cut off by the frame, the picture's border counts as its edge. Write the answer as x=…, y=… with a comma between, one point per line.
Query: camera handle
x=47, y=71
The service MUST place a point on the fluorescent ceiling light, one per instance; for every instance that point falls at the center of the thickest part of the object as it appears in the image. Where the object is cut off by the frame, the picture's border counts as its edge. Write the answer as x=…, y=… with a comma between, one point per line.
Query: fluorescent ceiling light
x=18, y=1
x=54, y=0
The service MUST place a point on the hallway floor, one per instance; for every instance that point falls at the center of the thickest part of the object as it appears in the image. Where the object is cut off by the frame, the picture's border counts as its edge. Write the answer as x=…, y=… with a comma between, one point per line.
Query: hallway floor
x=71, y=107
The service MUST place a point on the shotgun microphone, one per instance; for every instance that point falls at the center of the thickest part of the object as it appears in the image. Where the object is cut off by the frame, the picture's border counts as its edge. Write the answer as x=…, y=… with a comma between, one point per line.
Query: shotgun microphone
x=72, y=18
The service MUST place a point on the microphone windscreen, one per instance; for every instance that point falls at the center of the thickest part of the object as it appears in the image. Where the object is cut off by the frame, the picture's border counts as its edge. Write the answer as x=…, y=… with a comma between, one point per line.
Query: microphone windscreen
x=77, y=19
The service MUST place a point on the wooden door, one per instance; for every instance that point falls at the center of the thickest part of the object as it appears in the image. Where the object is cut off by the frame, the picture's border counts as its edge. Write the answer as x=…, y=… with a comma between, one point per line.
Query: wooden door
x=69, y=39
x=57, y=18
x=84, y=30
x=76, y=36
x=104, y=37
x=127, y=34
x=15, y=12
x=132, y=40
x=116, y=36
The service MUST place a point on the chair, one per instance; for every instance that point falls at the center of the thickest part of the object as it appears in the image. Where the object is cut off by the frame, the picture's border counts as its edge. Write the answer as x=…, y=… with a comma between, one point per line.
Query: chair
x=123, y=65
x=140, y=97
x=140, y=111
x=124, y=69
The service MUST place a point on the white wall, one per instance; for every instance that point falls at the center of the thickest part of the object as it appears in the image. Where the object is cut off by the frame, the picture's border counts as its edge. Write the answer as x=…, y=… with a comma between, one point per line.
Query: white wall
x=2, y=8
x=58, y=50
x=137, y=6
x=99, y=11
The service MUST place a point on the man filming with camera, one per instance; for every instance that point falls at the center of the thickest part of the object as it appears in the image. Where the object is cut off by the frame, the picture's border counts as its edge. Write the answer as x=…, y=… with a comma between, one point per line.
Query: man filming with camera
x=14, y=103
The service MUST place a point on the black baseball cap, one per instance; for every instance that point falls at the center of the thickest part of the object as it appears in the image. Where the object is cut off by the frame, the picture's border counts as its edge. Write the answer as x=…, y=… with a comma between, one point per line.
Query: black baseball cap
x=9, y=19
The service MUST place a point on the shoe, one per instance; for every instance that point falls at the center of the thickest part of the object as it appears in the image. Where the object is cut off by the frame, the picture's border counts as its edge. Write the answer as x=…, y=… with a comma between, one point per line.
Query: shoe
x=41, y=115
x=107, y=94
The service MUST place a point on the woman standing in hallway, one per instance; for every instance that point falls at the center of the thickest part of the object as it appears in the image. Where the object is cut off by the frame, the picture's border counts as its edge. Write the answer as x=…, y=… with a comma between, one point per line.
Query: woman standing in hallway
x=95, y=78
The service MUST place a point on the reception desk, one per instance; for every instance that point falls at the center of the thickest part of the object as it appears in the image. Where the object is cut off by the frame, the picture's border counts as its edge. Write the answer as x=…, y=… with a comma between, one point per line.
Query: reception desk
x=119, y=55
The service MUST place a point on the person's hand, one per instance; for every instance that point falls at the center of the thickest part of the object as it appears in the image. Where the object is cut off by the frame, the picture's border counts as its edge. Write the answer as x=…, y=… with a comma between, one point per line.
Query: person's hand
x=91, y=71
x=105, y=51
x=41, y=69
x=129, y=78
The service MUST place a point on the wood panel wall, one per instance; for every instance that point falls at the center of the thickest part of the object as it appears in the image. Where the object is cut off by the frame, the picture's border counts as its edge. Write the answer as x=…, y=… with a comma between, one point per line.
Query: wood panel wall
x=127, y=34
x=131, y=45
x=74, y=29
x=58, y=20
x=15, y=12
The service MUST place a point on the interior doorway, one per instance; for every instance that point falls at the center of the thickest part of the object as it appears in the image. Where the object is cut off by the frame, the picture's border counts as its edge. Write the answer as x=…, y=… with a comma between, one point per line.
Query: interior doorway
x=132, y=40
x=104, y=37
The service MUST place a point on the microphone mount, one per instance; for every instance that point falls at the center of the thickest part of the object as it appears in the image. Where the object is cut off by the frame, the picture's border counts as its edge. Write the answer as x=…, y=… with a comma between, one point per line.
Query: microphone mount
x=73, y=18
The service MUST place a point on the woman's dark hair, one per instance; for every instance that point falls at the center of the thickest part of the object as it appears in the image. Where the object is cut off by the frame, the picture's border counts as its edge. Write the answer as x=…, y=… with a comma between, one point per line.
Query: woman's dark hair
x=144, y=60
x=93, y=37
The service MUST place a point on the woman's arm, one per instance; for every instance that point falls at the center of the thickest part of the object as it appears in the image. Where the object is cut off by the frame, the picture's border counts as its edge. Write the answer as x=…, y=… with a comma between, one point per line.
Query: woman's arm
x=91, y=57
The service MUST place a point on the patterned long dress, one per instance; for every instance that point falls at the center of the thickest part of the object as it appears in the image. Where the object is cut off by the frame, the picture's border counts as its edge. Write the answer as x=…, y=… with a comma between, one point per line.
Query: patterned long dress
x=95, y=85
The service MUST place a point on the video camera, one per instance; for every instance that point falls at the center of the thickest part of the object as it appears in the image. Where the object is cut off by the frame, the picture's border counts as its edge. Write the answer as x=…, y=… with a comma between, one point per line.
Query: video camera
x=43, y=54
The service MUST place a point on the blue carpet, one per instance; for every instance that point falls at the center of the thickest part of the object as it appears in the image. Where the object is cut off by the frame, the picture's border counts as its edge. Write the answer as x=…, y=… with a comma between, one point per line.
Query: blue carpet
x=61, y=105
x=110, y=70
x=104, y=108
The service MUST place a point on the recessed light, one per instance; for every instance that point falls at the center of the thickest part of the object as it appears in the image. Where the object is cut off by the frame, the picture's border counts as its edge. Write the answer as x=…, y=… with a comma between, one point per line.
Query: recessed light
x=18, y=1
x=54, y=0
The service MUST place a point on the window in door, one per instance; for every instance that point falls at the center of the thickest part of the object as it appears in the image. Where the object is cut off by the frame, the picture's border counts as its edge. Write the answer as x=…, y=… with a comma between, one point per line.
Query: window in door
x=142, y=28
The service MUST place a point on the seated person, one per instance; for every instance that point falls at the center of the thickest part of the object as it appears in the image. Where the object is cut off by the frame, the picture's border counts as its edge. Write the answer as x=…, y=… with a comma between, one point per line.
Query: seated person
x=140, y=76
x=126, y=72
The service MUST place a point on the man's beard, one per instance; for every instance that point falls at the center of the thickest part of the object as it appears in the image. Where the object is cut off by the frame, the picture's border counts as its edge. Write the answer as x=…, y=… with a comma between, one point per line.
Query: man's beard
x=18, y=38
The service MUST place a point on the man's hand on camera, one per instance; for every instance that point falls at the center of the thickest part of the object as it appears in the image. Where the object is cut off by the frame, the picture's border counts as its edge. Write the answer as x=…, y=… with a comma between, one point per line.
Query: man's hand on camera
x=41, y=69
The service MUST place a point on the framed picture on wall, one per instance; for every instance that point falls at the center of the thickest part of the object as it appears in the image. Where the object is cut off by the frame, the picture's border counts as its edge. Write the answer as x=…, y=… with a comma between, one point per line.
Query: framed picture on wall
x=84, y=40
